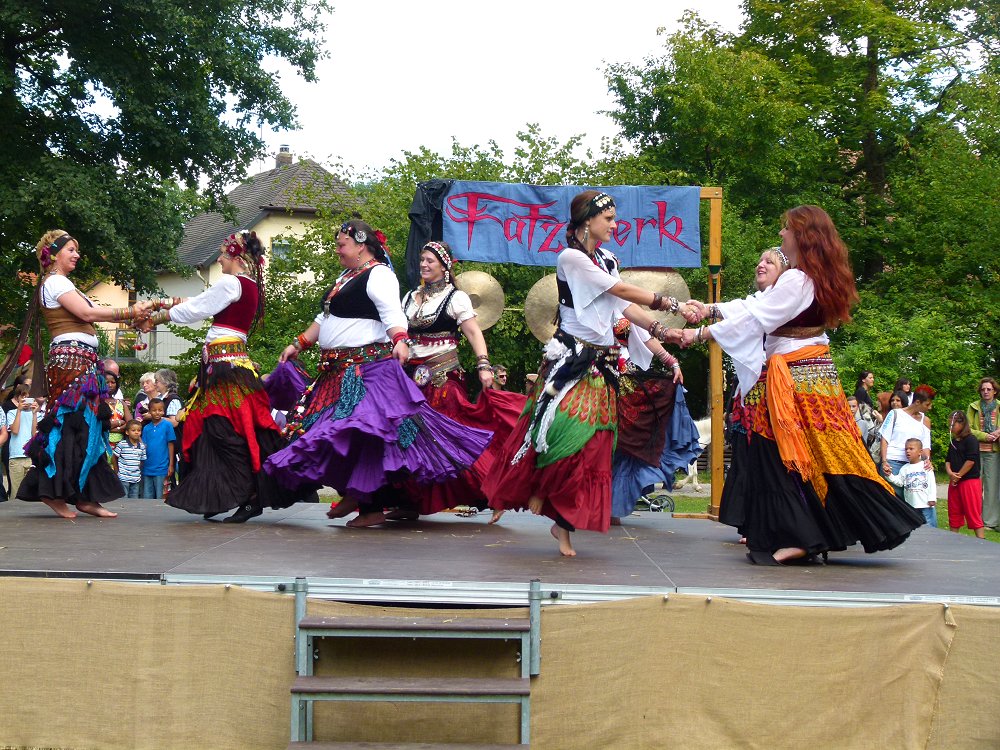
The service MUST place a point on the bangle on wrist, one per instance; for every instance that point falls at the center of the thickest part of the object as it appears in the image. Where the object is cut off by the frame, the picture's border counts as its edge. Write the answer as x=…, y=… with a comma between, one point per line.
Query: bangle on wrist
x=159, y=317
x=302, y=343
x=657, y=303
x=397, y=337
x=699, y=335
x=674, y=304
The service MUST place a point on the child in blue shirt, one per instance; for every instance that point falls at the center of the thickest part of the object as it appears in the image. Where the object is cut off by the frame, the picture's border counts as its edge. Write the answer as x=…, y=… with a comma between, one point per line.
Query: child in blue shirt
x=158, y=435
x=130, y=454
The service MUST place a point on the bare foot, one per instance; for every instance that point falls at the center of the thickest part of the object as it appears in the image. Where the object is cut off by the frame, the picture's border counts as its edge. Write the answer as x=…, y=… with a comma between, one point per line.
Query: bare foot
x=743, y=540
x=364, y=520
x=95, y=509
x=497, y=515
x=345, y=507
x=565, y=545
x=789, y=553
x=60, y=507
x=615, y=521
x=535, y=505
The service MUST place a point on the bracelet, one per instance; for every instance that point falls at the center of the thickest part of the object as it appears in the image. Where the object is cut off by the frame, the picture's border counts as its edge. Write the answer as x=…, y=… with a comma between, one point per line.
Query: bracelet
x=657, y=302
x=483, y=358
x=302, y=343
x=674, y=304
x=713, y=312
x=165, y=303
x=484, y=366
x=159, y=317
x=700, y=335
x=400, y=336
x=123, y=314
x=675, y=366
x=654, y=329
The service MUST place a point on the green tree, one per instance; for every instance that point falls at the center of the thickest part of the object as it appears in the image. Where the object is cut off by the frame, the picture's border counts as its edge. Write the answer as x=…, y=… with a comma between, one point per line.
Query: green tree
x=108, y=106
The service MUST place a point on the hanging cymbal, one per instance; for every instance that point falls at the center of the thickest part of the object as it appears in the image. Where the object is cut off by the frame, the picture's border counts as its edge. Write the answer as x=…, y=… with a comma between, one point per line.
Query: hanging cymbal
x=667, y=283
x=540, y=307
x=486, y=295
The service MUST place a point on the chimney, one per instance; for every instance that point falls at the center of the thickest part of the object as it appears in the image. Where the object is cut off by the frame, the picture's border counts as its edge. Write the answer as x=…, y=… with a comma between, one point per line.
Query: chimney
x=284, y=157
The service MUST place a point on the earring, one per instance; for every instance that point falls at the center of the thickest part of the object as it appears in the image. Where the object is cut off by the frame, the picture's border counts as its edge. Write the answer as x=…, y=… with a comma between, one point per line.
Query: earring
x=586, y=234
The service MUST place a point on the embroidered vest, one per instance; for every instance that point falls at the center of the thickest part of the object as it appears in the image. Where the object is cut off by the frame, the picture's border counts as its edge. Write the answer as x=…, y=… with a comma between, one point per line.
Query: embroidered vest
x=239, y=315
x=442, y=323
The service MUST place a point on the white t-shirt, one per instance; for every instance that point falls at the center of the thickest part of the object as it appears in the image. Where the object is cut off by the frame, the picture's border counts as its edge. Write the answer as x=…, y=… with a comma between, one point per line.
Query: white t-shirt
x=919, y=486
x=899, y=427
x=459, y=309
x=383, y=291
x=54, y=287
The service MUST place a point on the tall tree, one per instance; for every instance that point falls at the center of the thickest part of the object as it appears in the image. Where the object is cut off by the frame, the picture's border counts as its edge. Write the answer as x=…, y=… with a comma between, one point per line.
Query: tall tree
x=108, y=106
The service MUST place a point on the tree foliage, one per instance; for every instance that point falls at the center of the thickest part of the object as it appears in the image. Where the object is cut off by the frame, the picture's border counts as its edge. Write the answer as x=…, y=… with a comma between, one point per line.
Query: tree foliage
x=108, y=106
x=884, y=112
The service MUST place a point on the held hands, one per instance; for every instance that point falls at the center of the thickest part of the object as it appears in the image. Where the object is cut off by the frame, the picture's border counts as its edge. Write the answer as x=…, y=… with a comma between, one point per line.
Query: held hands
x=143, y=310
x=687, y=337
x=694, y=311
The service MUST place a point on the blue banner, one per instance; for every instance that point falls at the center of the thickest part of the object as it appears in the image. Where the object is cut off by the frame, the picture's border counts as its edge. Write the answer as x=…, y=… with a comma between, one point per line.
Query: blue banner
x=498, y=222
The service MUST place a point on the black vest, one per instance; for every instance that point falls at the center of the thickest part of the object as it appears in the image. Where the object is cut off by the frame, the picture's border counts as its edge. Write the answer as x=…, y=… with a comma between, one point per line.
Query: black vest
x=443, y=323
x=352, y=301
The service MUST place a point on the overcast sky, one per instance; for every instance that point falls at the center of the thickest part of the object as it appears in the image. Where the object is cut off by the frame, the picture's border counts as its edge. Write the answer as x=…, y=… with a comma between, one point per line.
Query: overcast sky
x=402, y=75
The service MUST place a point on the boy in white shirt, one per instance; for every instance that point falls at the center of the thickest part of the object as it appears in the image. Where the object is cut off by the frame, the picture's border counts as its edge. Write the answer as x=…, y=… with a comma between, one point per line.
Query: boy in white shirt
x=919, y=487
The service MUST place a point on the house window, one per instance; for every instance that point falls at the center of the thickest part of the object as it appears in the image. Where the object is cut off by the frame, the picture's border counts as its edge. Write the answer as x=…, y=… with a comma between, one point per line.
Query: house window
x=280, y=248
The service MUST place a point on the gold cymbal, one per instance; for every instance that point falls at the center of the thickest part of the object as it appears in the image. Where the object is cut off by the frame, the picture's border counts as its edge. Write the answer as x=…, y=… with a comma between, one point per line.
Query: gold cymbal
x=540, y=307
x=667, y=283
x=486, y=294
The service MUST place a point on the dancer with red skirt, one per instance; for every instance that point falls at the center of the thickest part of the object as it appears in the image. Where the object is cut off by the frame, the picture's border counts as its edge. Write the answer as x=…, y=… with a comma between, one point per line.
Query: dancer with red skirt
x=557, y=462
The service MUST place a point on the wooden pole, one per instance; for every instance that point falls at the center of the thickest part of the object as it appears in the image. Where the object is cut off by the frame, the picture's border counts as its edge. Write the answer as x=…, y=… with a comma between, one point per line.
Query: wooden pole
x=715, y=393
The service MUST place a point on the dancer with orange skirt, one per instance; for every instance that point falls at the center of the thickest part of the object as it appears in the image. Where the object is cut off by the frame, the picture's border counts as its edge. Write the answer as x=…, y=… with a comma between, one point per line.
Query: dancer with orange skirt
x=806, y=483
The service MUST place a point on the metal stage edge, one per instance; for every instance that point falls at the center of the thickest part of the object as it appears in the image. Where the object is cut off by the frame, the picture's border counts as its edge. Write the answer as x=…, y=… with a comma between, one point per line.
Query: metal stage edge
x=383, y=591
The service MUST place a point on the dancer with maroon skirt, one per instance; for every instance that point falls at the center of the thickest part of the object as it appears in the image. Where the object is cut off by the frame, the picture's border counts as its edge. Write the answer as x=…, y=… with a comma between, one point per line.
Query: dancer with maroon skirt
x=557, y=462
x=435, y=312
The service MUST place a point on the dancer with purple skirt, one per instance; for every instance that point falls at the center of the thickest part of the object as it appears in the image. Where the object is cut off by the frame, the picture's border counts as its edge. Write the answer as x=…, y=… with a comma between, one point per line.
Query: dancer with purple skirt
x=363, y=426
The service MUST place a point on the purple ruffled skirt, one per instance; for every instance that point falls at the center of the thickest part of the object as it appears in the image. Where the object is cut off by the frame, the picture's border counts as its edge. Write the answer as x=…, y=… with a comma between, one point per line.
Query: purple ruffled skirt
x=361, y=428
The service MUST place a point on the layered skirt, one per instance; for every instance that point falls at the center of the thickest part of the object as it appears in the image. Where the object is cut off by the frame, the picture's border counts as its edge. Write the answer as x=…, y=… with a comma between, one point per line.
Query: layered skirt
x=805, y=479
x=561, y=447
x=362, y=424
x=228, y=434
x=656, y=437
x=69, y=453
x=494, y=411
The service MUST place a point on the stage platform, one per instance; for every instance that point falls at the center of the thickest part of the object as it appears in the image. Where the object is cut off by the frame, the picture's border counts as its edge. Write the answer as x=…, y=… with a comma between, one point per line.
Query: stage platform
x=448, y=559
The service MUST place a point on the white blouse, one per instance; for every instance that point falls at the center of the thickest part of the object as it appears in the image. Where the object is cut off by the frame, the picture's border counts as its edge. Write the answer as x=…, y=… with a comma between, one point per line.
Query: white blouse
x=209, y=303
x=748, y=321
x=383, y=290
x=594, y=311
x=459, y=308
x=54, y=287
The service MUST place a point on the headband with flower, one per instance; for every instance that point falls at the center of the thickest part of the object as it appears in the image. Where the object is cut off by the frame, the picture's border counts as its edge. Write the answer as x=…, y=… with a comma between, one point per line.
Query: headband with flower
x=235, y=246
x=47, y=254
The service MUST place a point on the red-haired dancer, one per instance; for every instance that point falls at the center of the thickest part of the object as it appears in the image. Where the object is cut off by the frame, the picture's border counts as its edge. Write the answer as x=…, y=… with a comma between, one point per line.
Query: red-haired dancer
x=808, y=485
